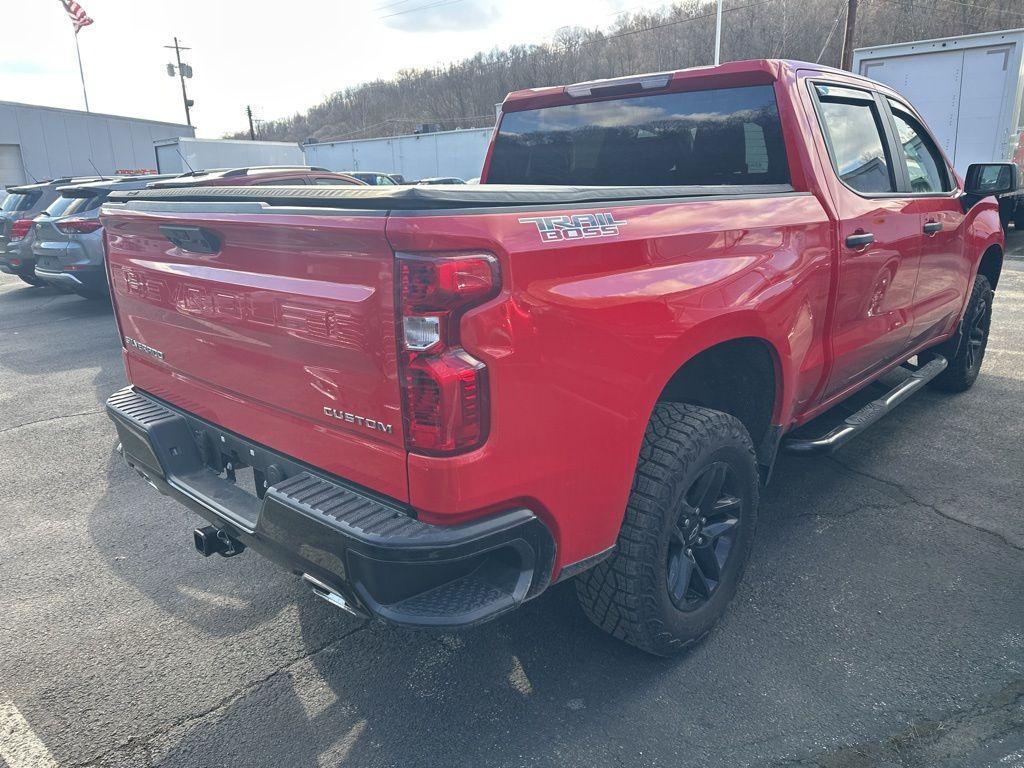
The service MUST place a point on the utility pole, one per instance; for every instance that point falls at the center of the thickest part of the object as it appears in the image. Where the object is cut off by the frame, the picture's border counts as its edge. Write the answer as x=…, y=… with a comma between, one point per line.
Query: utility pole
x=184, y=70
x=718, y=35
x=851, y=22
x=252, y=131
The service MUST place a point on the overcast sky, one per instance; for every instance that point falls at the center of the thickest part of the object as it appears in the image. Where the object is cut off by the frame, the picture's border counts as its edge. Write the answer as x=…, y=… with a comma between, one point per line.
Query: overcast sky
x=281, y=57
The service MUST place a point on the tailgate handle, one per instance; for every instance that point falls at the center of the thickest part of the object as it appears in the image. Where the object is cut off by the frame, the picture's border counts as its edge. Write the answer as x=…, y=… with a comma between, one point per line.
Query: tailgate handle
x=194, y=239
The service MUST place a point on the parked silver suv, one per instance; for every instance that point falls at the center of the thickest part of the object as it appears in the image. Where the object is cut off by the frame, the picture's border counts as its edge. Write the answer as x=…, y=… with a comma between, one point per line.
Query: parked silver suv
x=68, y=237
x=22, y=204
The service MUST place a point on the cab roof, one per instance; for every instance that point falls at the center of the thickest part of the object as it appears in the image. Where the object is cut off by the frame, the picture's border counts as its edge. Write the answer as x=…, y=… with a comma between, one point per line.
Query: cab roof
x=729, y=75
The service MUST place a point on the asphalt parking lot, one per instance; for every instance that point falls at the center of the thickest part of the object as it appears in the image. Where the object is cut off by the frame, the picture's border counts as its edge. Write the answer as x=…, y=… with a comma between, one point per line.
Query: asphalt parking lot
x=881, y=621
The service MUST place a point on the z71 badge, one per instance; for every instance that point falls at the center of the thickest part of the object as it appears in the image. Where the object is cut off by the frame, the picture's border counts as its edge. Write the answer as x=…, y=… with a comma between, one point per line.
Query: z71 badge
x=576, y=226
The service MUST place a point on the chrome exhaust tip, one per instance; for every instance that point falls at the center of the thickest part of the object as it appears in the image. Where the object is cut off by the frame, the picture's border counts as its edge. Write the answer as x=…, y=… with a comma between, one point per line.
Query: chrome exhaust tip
x=332, y=596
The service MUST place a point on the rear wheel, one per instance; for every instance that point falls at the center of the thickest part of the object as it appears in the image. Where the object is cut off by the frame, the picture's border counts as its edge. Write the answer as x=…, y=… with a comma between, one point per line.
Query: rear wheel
x=966, y=356
x=686, y=536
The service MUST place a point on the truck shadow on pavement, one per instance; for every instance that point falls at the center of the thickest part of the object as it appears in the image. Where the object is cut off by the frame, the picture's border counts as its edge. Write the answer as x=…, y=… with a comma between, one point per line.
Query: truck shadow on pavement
x=543, y=681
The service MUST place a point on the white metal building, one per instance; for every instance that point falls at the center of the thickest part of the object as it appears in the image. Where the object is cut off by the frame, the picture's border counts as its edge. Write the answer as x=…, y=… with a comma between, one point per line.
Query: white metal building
x=45, y=142
x=416, y=156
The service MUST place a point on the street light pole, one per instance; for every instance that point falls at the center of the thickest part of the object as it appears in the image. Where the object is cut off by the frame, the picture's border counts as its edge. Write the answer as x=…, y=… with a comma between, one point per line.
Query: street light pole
x=718, y=35
x=181, y=74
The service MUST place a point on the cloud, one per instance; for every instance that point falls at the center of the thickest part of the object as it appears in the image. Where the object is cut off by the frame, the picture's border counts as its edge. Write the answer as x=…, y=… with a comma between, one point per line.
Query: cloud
x=442, y=15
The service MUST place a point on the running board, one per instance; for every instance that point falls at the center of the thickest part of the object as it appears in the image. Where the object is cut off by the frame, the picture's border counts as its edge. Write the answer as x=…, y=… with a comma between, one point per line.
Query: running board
x=856, y=423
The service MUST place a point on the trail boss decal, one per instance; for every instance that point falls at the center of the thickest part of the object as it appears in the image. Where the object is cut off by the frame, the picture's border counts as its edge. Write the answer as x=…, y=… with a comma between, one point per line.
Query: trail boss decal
x=575, y=226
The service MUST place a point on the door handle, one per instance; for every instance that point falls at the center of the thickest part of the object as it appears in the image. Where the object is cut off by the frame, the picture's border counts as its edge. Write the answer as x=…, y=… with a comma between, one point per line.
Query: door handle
x=859, y=240
x=931, y=227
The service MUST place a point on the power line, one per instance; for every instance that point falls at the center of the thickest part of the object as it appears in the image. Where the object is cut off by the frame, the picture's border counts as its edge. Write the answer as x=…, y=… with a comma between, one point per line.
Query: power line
x=421, y=8
x=391, y=5
x=835, y=26
x=986, y=8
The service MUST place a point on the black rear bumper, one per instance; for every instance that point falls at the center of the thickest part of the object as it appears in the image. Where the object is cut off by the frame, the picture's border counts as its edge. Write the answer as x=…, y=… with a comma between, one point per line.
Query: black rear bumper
x=367, y=548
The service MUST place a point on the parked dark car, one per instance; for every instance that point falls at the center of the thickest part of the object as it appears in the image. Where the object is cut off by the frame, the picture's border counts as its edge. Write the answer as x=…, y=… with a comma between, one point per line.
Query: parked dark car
x=275, y=175
x=22, y=204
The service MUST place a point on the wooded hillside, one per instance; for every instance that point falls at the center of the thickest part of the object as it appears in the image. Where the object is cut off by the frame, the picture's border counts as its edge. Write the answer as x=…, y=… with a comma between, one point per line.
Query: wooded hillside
x=463, y=95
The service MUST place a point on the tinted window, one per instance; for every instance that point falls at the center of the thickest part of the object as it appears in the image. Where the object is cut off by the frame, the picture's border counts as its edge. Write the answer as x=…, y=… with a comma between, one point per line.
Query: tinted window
x=68, y=206
x=724, y=136
x=19, y=202
x=924, y=163
x=855, y=136
x=297, y=181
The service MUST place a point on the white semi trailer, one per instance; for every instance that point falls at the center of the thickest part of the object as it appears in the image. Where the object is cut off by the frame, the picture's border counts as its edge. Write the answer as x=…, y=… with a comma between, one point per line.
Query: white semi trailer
x=188, y=154
x=968, y=89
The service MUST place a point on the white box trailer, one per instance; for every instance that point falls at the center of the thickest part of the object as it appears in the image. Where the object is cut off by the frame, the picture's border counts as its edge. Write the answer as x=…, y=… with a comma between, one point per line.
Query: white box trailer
x=458, y=153
x=969, y=90
x=183, y=154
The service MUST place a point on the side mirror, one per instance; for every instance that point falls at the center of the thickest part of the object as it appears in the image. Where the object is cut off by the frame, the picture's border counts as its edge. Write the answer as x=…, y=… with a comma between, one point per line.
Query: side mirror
x=984, y=179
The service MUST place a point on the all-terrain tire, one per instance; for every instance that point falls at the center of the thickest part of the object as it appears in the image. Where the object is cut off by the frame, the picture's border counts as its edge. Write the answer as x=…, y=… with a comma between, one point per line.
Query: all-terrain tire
x=628, y=594
x=966, y=350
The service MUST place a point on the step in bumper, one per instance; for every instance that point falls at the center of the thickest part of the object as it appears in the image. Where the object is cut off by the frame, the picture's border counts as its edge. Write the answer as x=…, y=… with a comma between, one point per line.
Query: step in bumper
x=368, y=548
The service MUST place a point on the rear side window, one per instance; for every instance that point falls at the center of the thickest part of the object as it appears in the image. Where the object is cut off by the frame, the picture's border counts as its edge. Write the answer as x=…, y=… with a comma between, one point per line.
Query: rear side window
x=725, y=136
x=69, y=206
x=19, y=202
x=853, y=128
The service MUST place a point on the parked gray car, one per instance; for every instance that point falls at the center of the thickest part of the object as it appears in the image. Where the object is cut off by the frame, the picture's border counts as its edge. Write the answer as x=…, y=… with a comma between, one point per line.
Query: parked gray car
x=22, y=204
x=68, y=236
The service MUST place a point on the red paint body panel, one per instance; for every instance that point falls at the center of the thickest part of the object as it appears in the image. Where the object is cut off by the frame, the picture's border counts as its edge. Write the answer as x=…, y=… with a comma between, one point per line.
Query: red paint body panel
x=297, y=311
x=585, y=336
x=294, y=314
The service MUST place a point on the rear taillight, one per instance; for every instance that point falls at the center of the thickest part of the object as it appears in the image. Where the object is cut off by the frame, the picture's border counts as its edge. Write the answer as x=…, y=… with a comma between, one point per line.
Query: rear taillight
x=78, y=226
x=445, y=389
x=20, y=228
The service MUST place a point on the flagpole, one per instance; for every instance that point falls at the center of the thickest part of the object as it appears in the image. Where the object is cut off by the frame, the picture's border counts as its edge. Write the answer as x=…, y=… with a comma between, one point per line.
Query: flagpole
x=81, y=72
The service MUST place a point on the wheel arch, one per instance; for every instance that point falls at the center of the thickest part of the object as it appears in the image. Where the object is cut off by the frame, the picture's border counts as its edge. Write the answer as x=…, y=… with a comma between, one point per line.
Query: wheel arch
x=741, y=375
x=991, y=264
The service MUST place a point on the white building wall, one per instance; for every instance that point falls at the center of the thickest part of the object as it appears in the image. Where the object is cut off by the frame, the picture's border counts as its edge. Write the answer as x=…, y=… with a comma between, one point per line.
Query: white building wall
x=447, y=153
x=62, y=142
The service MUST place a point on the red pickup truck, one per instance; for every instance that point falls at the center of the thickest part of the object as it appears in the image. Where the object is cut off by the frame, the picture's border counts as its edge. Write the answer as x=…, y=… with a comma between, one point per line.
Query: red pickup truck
x=434, y=402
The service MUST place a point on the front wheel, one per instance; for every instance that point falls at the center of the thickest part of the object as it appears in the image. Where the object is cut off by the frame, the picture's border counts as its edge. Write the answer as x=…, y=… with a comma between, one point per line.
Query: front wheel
x=686, y=535
x=966, y=356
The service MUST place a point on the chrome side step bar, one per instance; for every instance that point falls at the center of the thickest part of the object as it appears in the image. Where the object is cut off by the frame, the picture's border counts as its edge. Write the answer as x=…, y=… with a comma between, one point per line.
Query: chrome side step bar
x=868, y=415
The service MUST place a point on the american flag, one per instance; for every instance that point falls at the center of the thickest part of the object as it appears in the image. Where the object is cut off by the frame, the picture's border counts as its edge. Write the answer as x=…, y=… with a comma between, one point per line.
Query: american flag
x=77, y=14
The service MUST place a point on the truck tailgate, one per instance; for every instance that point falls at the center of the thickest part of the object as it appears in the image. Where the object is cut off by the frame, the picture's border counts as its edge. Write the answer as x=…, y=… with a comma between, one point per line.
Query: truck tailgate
x=278, y=326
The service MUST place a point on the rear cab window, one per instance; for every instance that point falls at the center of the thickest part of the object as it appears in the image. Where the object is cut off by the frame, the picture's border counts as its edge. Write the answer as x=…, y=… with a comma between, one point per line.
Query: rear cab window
x=724, y=136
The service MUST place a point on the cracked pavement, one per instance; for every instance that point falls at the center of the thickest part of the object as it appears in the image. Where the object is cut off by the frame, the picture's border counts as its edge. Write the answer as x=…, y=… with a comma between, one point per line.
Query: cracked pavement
x=880, y=623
